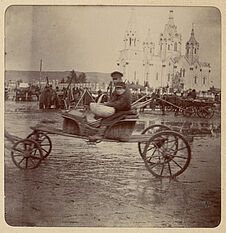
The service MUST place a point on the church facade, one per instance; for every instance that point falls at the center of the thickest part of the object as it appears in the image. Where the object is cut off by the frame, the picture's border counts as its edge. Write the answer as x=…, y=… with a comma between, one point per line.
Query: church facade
x=144, y=63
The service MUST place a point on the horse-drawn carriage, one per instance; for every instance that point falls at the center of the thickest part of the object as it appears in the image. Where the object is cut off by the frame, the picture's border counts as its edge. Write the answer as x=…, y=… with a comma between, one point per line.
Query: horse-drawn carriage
x=166, y=153
x=187, y=106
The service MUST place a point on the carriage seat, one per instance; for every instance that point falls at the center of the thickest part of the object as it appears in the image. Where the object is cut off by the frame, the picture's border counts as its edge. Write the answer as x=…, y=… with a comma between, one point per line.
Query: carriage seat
x=131, y=114
x=76, y=115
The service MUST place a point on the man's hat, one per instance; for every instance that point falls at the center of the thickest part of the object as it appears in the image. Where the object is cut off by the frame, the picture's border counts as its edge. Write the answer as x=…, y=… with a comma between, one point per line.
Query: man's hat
x=116, y=74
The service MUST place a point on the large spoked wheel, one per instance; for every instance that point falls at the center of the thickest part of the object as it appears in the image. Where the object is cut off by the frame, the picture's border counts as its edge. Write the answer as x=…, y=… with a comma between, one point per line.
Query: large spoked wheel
x=167, y=154
x=44, y=142
x=206, y=112
x=189, y=111
x=151, y=130
x=26, y=154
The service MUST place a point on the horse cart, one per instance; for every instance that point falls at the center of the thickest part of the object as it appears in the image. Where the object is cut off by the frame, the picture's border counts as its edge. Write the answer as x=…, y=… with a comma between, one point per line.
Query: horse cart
x=166, y=153
x=188, y=107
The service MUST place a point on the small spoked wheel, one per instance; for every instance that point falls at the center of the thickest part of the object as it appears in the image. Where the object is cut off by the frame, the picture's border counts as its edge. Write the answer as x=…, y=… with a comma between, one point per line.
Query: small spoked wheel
x=151, y=130
x=167, y=154
x=206, y=112
x=26, y=154
x=43, y=140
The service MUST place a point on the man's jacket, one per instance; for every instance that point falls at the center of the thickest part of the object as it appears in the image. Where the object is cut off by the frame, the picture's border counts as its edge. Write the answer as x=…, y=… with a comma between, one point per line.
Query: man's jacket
x=121, y=102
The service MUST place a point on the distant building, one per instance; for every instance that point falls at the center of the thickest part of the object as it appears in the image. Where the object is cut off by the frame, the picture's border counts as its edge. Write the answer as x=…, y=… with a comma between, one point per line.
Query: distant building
x=163, y=65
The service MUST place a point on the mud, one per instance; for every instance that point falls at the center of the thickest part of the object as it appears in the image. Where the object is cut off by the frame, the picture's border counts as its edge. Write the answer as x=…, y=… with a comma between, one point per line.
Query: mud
x=107, y=184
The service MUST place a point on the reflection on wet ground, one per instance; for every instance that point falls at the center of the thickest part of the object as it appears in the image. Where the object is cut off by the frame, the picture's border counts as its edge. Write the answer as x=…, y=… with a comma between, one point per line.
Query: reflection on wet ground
x=107, y=184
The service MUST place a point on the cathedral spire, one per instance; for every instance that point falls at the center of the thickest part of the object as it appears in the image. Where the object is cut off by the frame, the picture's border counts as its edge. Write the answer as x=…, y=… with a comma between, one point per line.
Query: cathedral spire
x=192, y=47
x=131, y=39
x=171, y=21
x=132, y=19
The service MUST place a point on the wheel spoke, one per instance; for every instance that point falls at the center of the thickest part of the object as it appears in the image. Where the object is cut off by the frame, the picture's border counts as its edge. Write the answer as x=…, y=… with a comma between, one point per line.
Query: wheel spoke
x=154, y=165
x=26, y=162
x=17, y=155
x=44, y=150
x=182, y=148
x=176, y=156
x=163, y=165
x=45, y=144
x=177, y=164
x=21, y=160
x=169, y=168
x=32, y=161
x=21, y=151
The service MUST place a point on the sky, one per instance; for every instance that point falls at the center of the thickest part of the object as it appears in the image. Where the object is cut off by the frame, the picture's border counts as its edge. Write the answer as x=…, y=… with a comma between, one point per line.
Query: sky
x=89, y=38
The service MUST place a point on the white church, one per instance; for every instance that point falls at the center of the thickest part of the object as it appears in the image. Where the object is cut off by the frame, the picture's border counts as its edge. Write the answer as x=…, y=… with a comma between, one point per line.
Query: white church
x=141, y=63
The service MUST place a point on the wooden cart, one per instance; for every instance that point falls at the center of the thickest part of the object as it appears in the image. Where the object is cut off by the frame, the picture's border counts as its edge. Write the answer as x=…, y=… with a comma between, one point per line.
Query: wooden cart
x=166, y=153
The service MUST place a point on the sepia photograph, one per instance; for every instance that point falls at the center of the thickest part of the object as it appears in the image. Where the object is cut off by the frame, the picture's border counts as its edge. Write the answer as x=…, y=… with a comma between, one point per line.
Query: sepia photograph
x=112, y=116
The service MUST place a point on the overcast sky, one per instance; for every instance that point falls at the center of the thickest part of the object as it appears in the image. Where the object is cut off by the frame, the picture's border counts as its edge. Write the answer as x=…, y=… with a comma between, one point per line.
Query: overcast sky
x=88, y=38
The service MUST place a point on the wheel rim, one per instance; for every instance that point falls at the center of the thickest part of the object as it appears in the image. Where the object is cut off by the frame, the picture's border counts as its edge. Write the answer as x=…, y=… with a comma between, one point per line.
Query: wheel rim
x=26, y=154
x=167, y=154
x=44, y=142
x=207, y=112
x=151, y=130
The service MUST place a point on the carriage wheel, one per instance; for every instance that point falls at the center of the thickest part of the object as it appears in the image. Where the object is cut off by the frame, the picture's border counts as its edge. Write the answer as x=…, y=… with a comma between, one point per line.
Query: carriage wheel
x=189, y=111
x=151, y=130
x=26, y=154
x=44, y=142
x=206, y=112
x=167, y=154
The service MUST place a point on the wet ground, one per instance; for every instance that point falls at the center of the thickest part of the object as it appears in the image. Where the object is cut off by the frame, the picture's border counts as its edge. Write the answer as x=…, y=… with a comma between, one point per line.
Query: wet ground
x=107, y=185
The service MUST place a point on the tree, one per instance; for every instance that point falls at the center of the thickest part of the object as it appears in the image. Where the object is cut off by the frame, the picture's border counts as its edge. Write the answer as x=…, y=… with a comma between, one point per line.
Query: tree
x=74, y=77
x=62, y=80
x=68, y=79
x=82, y=78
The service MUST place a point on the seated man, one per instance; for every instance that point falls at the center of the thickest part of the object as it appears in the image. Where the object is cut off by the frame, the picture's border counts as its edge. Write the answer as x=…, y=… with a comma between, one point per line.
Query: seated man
x=120, y=102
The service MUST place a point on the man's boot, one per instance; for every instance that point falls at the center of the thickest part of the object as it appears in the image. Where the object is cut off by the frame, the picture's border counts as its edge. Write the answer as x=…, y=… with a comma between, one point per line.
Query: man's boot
x=99, y=135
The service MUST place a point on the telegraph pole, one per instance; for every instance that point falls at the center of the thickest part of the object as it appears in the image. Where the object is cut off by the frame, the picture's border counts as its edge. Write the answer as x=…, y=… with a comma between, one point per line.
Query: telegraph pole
x=40, y=73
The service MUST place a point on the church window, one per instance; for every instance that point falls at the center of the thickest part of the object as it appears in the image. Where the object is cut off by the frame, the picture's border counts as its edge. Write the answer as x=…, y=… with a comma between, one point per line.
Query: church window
x=168, y=77
x=187, y=50
x=200, y=70
x=150, y=50
x=130, y=41
x=195, y=51
x=147, y=76
x=157, y=76
x=134, y=42
x=195, y=80
x=175, y=46
x=204, y=80
x=209, y=71
x=135, y=75
x=117, y=64
x=168, y=47
x=183, y=72
x=160, y=47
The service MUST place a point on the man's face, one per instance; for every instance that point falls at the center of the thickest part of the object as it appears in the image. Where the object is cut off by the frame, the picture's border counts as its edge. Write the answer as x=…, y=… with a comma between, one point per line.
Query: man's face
x=117, y=78
x=119, y=90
